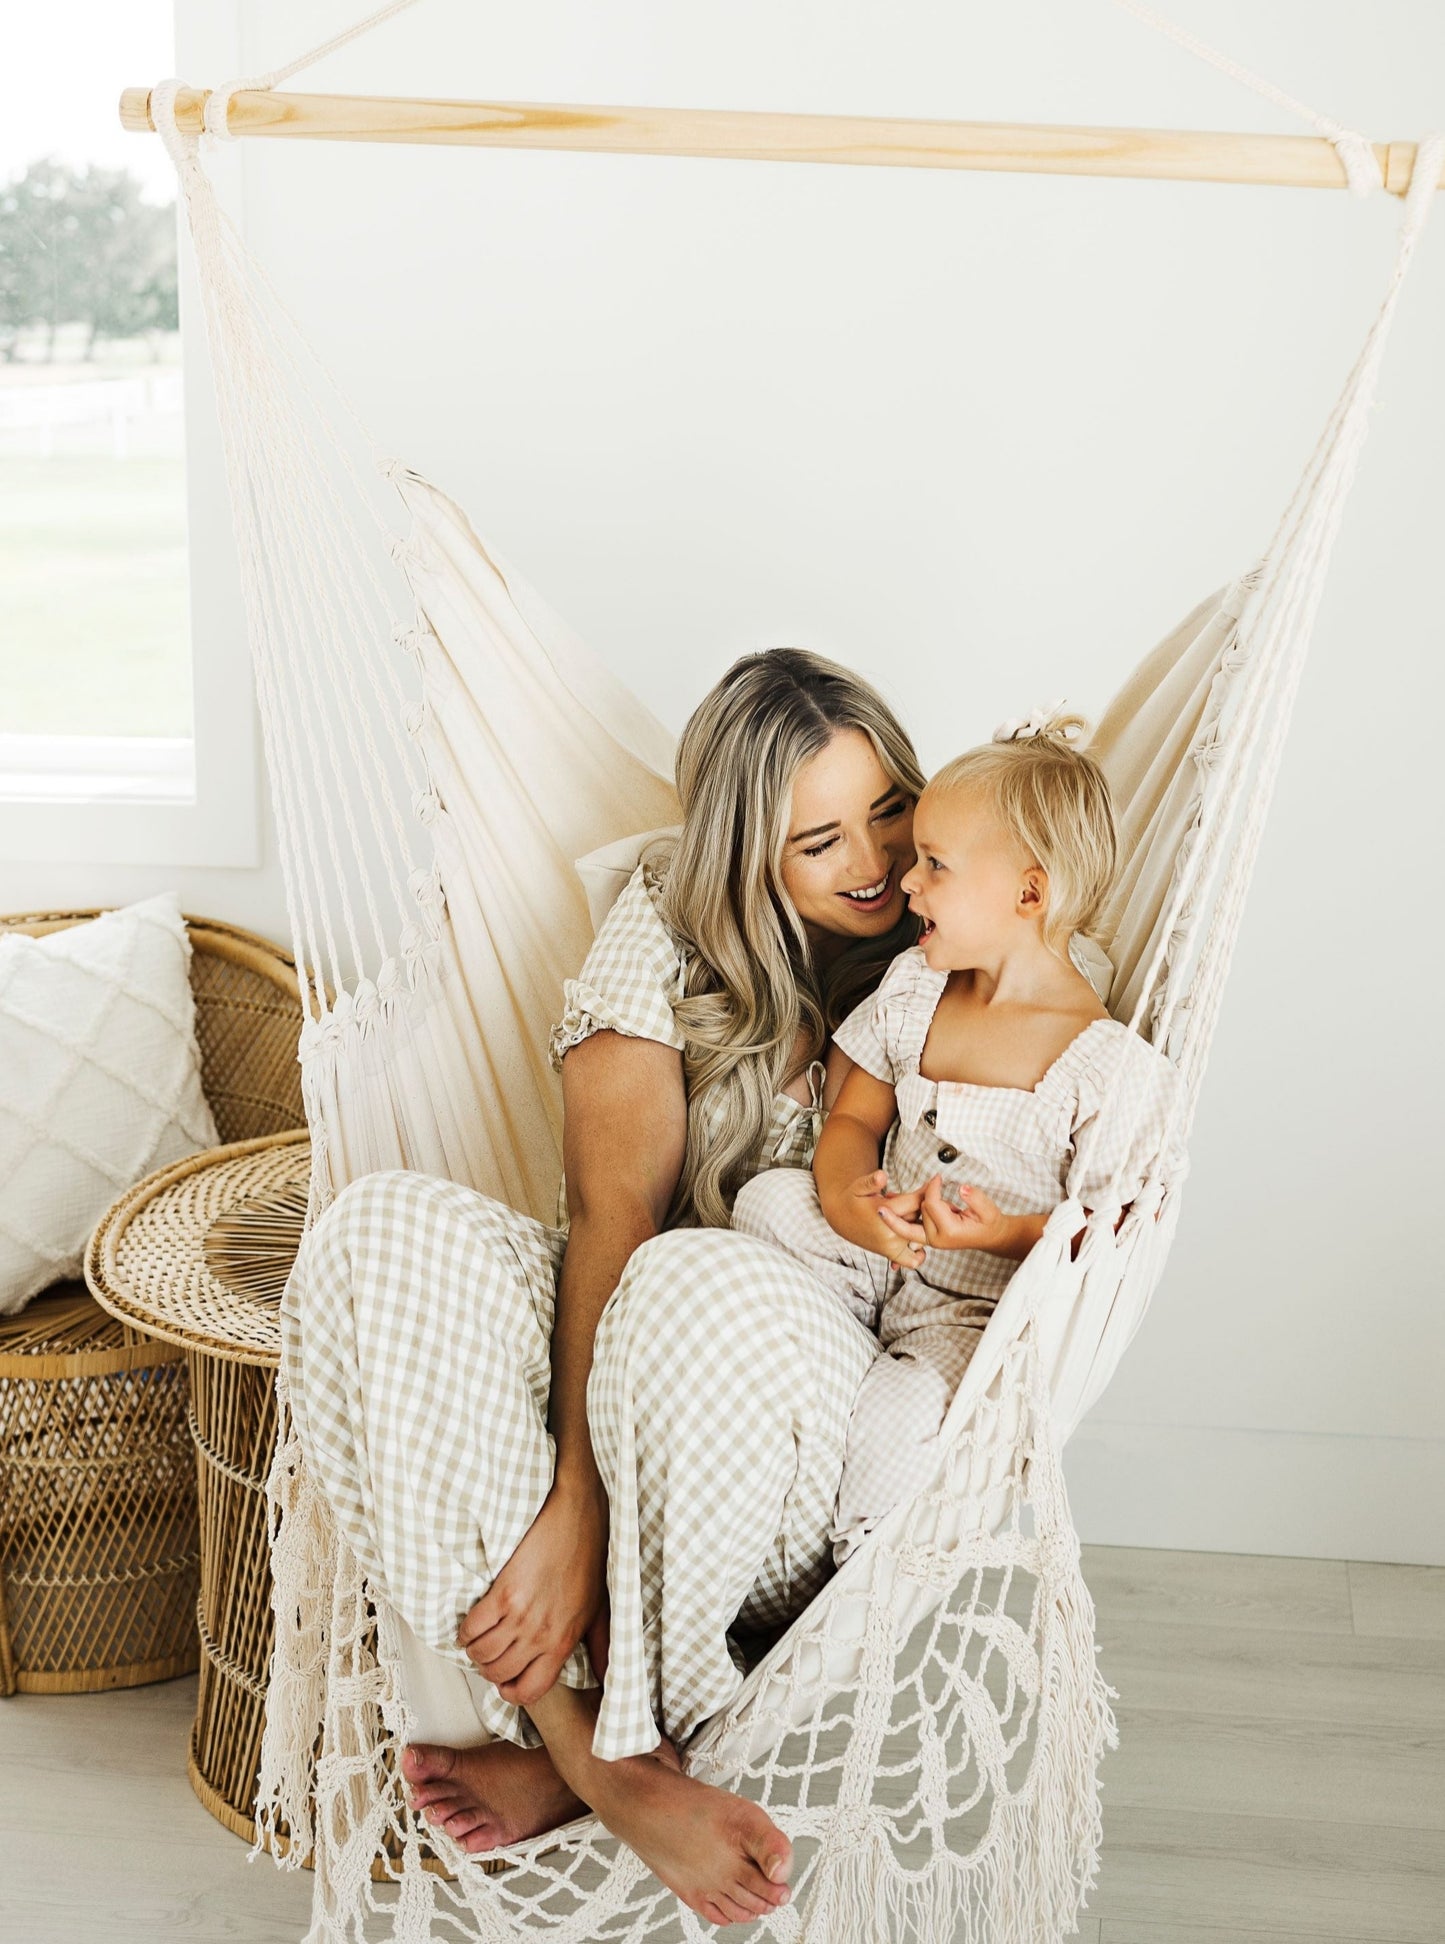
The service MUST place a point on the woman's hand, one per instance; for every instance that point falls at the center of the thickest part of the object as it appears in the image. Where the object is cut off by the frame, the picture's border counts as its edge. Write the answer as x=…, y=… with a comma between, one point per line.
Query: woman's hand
x=973, y=1221
x=900, y=1240
x=550, y=1594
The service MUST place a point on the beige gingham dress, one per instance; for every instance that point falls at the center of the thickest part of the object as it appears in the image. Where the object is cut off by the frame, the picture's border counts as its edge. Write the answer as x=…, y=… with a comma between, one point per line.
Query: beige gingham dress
x=1092, y=1128
x=417, y=1333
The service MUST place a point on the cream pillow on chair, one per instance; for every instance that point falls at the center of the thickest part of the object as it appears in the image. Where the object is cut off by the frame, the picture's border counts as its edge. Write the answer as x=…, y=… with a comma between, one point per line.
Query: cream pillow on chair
x=100, y=1081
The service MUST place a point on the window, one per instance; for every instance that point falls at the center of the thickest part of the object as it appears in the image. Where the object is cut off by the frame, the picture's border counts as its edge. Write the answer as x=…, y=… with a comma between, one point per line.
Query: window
x=115, y=671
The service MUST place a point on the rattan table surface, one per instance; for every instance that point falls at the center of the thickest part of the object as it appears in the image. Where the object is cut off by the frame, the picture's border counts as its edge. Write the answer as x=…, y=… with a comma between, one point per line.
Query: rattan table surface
x=146, y=1262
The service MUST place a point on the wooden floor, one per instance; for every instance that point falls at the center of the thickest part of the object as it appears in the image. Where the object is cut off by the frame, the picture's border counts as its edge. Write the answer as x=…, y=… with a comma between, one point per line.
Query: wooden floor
x=1281, y=1778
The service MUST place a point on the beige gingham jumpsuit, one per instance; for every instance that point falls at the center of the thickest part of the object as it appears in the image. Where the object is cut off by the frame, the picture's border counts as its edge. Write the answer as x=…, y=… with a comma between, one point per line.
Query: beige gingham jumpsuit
x=417, y=1332
x=1093, y=1125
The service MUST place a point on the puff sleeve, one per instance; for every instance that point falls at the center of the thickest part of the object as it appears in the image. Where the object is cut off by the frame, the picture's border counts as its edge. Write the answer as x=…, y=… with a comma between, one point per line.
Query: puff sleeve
x=631, y=979
x=1127, y=1094
x=885, y=1034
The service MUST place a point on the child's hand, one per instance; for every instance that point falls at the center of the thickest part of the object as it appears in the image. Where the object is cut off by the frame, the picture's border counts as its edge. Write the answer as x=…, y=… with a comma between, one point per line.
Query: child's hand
x=900, y=1238
x=973, y=1222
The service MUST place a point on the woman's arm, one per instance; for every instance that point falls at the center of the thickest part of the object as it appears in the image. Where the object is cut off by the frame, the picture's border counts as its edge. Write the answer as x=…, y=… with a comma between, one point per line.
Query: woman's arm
x=625, y=1132
x=625, y=1135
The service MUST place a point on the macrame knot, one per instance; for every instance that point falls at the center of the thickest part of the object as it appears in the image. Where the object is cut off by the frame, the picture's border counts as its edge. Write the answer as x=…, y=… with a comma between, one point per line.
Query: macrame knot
x=927, y=1565
x=420, y=952
x=1208, y=753
x=181, y=148
x=1058, y=1552
x=389, y=980
x=1038, y=723
x=428, y=805
x=366, y=1004
x=426, y=888
x=1361, y=164
x=216, y=115
x=1235, y=597
x=414, y=719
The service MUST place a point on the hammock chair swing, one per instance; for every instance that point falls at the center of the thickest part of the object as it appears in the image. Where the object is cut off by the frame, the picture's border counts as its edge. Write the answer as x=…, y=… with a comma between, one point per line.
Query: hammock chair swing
x=929, y=1731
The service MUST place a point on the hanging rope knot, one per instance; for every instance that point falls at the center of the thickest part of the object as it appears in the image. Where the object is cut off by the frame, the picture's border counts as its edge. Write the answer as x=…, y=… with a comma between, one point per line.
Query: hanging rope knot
x=216, y=114
x=1208, y=753
x=414, y=718
x=1236, y=596
x=426, y=888
x=1361, y=164
x=1362, y=169
x=428, y=806
x=180, y=148
x=1039, y=723
x=366, y=1003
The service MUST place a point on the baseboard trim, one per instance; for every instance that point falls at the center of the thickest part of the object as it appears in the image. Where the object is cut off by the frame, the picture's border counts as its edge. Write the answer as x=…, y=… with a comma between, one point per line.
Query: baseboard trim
x=1305, y=1495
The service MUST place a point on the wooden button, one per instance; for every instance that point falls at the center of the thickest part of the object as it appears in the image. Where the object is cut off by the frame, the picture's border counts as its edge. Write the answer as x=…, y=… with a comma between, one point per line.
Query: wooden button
x=931, y=1117
x=947, y=1154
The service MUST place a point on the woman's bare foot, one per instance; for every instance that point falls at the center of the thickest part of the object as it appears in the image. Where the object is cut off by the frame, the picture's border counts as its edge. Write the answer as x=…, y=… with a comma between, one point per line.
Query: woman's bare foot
x=488, y=1796
x=720, y=1854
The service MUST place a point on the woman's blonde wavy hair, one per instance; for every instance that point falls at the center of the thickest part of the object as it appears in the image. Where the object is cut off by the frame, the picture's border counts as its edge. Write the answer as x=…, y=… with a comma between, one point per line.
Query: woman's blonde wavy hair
x=751, y=984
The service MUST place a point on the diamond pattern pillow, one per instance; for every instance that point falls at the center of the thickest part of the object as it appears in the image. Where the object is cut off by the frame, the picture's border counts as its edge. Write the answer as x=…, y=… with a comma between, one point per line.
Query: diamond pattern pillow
x=100, y=1081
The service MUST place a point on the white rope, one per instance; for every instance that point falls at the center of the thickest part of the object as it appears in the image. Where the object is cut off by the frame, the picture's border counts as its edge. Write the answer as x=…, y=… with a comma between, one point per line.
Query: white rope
x=1361, y=165
x=217, y=111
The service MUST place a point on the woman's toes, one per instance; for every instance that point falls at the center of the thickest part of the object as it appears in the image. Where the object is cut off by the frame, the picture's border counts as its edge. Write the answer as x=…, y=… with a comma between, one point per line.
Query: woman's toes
x=438, y=1804
x=486, y=1836
x=748, y=1899
x=739, y=1912
x=770, y=1849
x=427, y=1762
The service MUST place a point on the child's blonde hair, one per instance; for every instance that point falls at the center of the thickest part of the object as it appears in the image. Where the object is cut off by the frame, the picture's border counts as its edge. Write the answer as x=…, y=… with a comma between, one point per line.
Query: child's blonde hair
x=1054, y=800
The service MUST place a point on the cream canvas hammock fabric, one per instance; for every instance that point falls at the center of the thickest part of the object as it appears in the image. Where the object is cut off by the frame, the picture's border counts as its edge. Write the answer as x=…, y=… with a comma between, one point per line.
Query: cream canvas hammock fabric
x=440, y=749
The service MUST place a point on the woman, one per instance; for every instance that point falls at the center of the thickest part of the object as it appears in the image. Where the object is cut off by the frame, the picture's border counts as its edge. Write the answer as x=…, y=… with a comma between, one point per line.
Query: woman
x=520, y=1426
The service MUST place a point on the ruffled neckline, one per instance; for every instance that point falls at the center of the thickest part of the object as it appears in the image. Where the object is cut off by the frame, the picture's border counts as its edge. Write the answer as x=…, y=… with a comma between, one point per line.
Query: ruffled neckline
x=921, y=988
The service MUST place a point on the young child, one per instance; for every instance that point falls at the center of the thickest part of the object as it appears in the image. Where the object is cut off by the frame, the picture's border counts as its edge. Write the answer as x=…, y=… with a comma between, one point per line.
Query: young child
x=998, y=1081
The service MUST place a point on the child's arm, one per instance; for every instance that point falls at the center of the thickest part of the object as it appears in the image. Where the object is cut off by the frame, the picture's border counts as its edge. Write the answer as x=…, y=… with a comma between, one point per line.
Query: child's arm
x=852, y=1189
x=973, y=1222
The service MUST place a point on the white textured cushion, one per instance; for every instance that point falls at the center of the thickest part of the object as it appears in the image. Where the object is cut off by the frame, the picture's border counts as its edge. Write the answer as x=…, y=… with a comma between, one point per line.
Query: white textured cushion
x=100, y=1081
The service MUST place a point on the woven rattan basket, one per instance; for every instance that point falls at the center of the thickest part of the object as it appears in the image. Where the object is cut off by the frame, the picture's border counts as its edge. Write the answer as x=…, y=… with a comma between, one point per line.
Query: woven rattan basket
x=99, y=1551
x=149, y=1264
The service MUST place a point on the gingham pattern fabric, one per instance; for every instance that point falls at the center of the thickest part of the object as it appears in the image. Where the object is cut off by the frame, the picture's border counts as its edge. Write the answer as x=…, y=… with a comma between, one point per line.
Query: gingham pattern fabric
x=719, y=1401
x=630, y=982
x=1091, y=1128
x=928, y=1329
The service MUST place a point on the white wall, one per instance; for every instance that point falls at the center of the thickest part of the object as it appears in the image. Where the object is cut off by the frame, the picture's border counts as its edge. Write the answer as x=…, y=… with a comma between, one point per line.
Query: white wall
x=984, y=438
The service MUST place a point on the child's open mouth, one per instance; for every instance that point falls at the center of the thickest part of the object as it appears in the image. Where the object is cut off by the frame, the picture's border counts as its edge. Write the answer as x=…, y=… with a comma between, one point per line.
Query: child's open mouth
x=872, y=897
x=927, y=931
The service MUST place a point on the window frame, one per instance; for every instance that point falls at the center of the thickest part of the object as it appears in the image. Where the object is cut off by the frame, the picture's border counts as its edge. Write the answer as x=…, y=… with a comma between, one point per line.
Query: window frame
x=89, y=799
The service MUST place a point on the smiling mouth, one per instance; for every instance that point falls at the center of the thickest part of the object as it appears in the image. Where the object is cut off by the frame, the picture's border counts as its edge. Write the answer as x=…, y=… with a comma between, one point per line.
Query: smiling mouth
x=872, y=897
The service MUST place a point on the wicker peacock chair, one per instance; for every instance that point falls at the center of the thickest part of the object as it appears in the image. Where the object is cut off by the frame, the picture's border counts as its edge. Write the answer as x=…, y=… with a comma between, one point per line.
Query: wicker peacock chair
x=98, y=1524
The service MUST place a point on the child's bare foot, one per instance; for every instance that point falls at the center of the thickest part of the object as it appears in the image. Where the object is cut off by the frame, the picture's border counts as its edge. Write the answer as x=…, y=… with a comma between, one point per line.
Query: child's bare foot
x=488, y=1796
x=720, y=1854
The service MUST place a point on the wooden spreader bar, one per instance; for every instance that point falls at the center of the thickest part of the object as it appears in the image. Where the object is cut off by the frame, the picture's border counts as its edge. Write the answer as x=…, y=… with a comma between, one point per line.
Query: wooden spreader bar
x=1173, y=155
